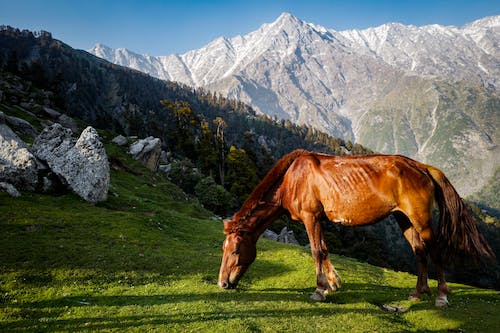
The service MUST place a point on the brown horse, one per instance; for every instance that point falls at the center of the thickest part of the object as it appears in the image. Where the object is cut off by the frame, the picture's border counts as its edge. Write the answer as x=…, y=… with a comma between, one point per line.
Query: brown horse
x=353, y=191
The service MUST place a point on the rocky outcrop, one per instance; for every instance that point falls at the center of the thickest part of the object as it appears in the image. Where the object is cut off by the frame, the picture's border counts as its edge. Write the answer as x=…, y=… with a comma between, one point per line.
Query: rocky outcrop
x=285, y=236
x=10, y=189
x=82, y=165
x=18, y=166
x=147, y=151
x=22, y=126
x=120, y=140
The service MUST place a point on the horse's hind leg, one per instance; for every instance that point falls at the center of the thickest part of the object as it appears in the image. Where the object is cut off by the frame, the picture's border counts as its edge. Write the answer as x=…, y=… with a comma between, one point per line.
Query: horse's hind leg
x=419, y=249
x=443, y=290
x=330, y=271
x=422, y=240
x=430, y=242
x=327, y=278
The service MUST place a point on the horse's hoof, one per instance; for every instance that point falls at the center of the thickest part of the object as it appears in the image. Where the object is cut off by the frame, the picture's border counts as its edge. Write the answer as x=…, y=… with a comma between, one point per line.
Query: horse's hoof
x=442, y=302
x=318, y=296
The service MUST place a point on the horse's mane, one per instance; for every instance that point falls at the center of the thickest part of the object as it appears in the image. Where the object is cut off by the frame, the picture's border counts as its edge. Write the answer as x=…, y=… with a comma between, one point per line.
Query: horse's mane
x=273, y=176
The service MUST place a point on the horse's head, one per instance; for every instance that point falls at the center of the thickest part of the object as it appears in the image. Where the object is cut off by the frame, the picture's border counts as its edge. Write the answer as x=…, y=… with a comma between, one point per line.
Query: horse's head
x=239, y=251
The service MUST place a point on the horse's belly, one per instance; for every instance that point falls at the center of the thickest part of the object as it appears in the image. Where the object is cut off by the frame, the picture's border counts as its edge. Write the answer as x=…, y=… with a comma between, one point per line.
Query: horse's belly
x=358, y=212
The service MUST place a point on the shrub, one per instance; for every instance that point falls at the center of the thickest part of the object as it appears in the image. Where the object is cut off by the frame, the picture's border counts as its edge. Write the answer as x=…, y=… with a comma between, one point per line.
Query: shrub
x=185, y=175
x=213, y=196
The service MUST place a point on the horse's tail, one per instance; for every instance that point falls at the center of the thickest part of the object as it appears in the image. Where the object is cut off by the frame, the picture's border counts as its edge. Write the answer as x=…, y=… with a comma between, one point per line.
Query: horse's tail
x=458, y=235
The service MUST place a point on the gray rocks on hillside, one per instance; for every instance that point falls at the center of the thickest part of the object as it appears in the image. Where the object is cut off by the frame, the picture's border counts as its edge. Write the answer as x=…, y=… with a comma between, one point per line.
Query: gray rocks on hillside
x=18, y=166
x=120, y=140
x=10, y=189
x=22, y=126
x=83, y=164
x=147, y=151
x=285, y=236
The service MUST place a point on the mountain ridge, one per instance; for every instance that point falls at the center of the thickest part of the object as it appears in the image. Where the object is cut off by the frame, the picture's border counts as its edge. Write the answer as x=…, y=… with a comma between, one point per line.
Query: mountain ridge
x=426, y=87
x=287, y=21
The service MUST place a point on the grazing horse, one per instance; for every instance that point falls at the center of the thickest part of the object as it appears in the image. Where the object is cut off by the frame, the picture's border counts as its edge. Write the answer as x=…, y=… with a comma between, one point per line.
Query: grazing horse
x=354, y=191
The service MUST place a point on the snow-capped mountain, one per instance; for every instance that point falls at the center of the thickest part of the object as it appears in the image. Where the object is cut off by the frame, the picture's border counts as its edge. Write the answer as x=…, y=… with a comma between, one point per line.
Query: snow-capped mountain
x=430, y=92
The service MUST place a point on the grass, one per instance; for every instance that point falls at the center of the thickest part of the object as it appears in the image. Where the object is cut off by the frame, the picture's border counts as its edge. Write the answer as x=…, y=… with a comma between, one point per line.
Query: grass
x=147, y=260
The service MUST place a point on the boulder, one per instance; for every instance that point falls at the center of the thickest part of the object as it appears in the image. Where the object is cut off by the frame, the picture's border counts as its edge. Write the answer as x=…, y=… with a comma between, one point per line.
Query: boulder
x=82, y=165
x=287, y=236
x=166, y=168
x=147, y=151
x=269, y=234
x=120, y=140
x=21, y=126
x=10, y=189
x=51, y=112
x=68, y=122
x=18, y=166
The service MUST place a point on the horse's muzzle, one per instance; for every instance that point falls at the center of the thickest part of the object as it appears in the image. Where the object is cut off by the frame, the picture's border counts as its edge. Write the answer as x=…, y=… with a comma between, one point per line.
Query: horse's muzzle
x=226, y=285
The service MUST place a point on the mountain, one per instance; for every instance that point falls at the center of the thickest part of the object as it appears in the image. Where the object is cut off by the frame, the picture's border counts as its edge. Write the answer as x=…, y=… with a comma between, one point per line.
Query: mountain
x=428, y=92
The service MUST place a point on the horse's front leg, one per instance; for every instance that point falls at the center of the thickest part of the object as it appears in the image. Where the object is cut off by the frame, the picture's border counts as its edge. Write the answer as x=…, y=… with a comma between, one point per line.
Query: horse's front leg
x=327, y=279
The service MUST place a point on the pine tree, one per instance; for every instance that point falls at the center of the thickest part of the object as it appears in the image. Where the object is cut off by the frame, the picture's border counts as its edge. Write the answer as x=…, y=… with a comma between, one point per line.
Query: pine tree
x=220, y=142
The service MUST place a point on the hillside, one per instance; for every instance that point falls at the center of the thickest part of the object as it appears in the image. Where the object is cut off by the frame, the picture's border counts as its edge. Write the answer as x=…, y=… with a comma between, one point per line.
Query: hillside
x=147, y=259
x=33, y=94
x=429, y=92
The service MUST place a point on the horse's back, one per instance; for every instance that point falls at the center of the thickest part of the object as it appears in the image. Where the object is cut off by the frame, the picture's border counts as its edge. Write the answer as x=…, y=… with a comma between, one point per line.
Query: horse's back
x=355, y=190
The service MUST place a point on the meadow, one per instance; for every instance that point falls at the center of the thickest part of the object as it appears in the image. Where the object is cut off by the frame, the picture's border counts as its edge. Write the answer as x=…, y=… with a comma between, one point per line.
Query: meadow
x=147, y=259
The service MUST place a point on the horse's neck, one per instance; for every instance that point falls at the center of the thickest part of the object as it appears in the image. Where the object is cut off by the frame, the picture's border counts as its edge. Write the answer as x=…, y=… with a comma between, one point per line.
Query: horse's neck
x=262, y=217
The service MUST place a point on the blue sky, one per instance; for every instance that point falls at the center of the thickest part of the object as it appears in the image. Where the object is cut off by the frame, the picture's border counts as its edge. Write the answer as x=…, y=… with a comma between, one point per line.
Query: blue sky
x=165, y=27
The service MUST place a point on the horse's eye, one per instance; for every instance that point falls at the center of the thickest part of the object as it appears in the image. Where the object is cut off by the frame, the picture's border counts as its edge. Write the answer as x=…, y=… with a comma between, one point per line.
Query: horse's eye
x=235, y=252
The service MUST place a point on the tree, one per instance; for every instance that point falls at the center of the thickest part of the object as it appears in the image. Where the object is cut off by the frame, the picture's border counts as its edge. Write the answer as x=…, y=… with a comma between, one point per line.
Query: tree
x=220, y=142
x=207, y=151
x=12, y=62
x=184, y=175
x=241, y=173
x=182, y=127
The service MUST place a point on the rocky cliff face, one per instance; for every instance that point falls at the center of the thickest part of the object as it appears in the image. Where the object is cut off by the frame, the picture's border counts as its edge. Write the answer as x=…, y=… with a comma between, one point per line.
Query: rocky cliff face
x=429, y=92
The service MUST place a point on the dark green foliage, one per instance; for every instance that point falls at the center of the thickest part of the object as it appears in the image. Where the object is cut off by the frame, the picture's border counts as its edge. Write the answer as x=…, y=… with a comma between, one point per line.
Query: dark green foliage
x=213, y=196
x=185, y=175
x=241, y=173
x=182, y=127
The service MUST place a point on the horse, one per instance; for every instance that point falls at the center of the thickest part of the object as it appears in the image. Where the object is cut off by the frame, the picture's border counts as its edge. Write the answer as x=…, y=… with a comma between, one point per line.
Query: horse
x=355, y=191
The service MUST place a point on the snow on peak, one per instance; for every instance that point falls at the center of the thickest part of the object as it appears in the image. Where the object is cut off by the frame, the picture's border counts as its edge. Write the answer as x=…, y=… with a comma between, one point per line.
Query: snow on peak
x=485, y=23
x=101, y=50
x=286, y=17
x=433, y=50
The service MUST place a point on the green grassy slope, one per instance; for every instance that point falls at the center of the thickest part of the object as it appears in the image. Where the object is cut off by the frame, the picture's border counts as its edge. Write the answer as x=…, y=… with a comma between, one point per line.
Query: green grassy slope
x=148, y=259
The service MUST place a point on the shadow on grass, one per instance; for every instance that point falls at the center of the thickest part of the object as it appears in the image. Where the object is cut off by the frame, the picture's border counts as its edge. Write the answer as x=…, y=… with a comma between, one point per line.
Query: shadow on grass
x=43, y=315
x=166, y=320
x=219, y=308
